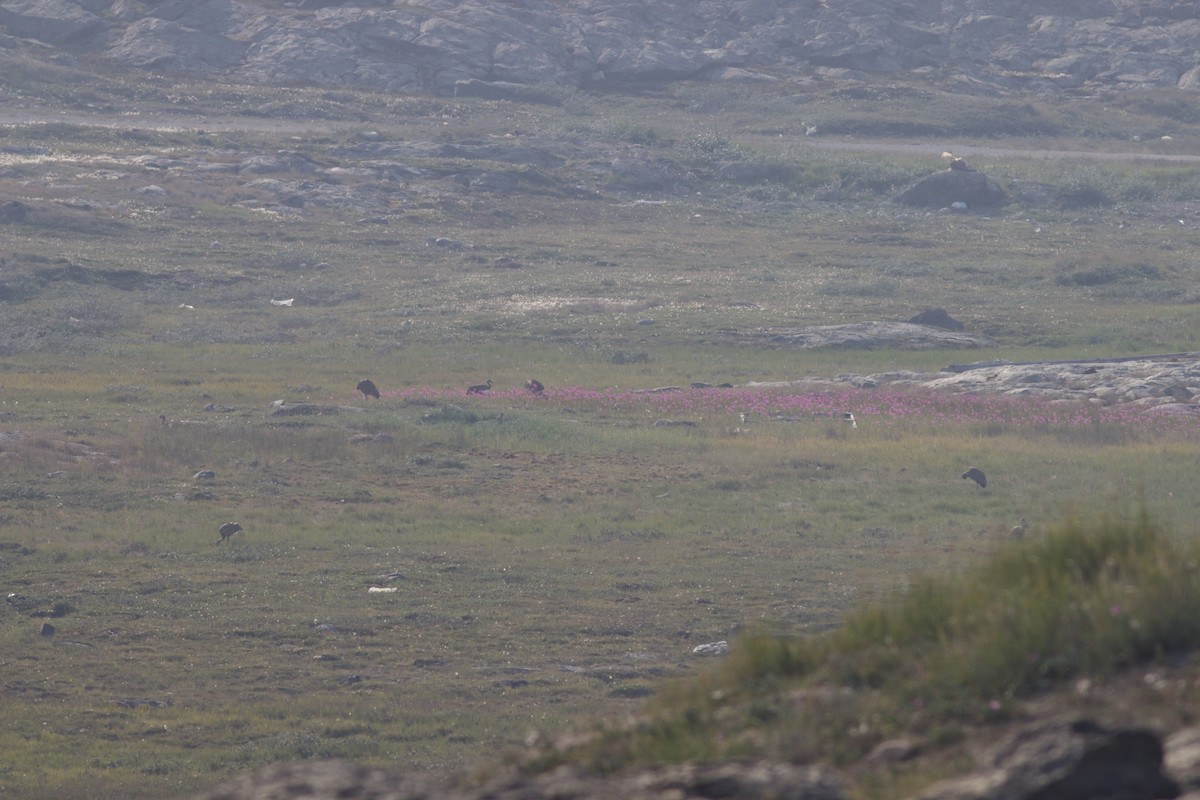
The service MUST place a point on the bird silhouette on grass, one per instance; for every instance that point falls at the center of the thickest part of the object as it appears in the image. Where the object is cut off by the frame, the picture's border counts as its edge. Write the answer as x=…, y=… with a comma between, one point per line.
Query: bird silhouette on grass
x=228, y=529
x=976, y=474
x=367, y=387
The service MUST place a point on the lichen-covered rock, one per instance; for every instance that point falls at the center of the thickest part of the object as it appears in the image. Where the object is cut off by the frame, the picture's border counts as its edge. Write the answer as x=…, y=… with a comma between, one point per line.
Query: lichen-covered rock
x=1168, y=381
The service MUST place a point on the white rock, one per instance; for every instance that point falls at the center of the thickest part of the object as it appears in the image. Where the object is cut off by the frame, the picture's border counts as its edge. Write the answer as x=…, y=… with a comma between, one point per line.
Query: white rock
x=711, y=649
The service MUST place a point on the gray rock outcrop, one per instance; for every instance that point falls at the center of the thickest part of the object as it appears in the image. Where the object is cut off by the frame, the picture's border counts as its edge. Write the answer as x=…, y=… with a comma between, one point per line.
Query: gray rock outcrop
x=1068, y=759
x=1172, y=382
x=448, y=47
x=56, y=22
x=1182, y=758
x=327, y=780
x=159, y=44
x=1161, y=384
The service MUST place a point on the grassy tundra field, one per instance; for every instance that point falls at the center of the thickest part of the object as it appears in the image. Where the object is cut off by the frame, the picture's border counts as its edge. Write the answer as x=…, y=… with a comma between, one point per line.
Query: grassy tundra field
x=555, y=558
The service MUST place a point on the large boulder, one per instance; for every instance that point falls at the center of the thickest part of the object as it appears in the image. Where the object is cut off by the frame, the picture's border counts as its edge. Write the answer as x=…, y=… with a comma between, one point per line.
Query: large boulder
x=938, y=318
x=944, y=189
x=1068, y=759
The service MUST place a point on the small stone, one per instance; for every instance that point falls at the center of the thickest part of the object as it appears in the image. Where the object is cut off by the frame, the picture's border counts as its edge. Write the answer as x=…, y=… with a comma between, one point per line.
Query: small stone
x=891, y=751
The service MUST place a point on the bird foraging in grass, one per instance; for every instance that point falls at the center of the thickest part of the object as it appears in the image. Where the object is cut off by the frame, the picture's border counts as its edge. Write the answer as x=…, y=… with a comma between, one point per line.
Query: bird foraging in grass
x=480, y=388
x=1018, y=531
x=976, y=474
x=228, y=529
x=534, y=386
x=367, y=387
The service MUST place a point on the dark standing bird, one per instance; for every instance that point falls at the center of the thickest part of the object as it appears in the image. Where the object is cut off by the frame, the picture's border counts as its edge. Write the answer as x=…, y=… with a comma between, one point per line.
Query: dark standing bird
x=535, y=386
x=228, y=529
x=480, y=388
x=1018, y=531
x=367, y=387
x=976, y=474
x=957, y=164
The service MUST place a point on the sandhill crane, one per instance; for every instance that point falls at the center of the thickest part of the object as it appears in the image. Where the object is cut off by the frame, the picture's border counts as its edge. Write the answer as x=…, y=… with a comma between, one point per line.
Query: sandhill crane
x=976, y=474
x=535, y=386
x=228, y=529
x=1018, y=531
x=367, y=387
x=480, y=388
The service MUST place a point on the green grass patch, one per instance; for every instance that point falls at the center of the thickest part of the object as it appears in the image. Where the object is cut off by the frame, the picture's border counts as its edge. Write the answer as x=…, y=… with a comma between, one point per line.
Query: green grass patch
x=557, y=558
x=1088, y=599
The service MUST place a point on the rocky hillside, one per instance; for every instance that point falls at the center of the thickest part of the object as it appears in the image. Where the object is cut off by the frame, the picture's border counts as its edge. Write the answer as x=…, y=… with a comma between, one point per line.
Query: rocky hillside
x=1066, y=756
x=539, y=49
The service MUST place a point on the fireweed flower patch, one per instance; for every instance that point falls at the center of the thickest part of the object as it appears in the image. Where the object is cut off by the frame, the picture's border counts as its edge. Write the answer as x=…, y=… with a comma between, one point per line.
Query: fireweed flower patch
x=891, y=409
